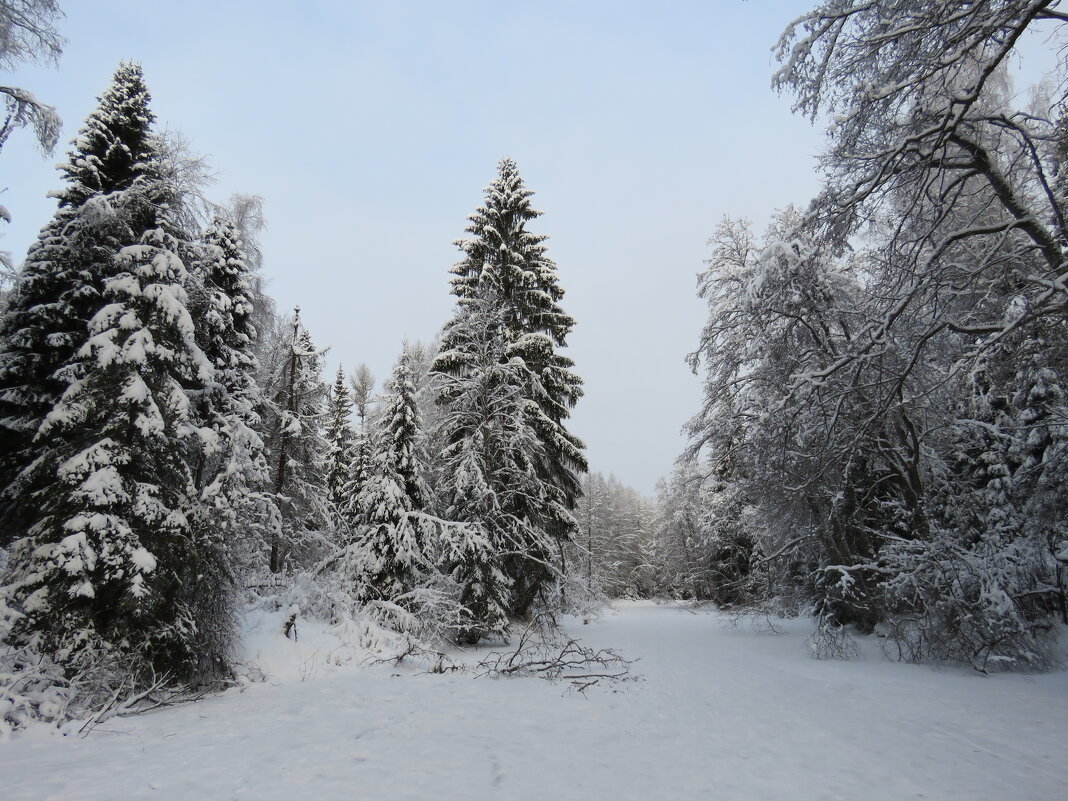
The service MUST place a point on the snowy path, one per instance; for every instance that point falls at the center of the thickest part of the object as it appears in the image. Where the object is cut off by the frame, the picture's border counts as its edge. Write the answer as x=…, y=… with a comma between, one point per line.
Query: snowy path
x=722, y=714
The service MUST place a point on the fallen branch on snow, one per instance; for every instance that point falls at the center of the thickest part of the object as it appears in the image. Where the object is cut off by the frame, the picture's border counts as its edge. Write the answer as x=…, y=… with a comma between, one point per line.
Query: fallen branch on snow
x=558, y=660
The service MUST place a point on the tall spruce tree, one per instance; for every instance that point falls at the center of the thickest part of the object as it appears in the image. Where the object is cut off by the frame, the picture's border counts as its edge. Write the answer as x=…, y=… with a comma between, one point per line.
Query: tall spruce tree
x=107, y=564
x=489, y=484
x=61, y=283
x=110, y=564
x=505, y=262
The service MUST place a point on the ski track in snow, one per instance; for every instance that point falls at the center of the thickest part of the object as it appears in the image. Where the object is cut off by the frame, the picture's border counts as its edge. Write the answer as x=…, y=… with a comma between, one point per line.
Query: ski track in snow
x=722, y=713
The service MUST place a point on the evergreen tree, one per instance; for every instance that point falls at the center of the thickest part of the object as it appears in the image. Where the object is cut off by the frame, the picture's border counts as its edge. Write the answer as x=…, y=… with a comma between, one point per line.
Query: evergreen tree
x=296, y=448
x=488, y=481
x=471, y=549
x=231, y=468
x=394, y=531
x=506, y=262
x=363, y=382
x=340, y=443
x=100, y=362
x=356, y=479
x=61, y=284
x=401, y=428
x=110, y=564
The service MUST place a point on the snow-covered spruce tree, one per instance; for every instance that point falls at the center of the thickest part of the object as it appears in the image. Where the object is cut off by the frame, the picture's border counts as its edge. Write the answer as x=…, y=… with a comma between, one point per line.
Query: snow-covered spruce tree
x=421, y=356
x=110, y=567
x=340, y=444
x=470, y=552
x=60, y=285
x=296, y=448
x=401, y=428
x=359, y=471
x=246, y=214
x=488, y=481
x=505, y=262
x=394, y=532
x=362, y=382
x=231, y=473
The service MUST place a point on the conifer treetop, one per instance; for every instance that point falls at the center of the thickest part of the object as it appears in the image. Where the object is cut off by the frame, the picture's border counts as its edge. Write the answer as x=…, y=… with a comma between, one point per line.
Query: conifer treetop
x=116, y=144
x=225, y=269
x=501, y=251
x=339, y=438
x=401, y=427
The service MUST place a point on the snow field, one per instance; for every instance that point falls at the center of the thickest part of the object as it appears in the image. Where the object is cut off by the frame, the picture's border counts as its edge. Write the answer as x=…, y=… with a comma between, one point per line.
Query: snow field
x=722, y=712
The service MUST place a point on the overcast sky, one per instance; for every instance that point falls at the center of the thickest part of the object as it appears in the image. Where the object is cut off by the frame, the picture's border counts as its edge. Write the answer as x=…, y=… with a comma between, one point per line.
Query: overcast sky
x=370, y=130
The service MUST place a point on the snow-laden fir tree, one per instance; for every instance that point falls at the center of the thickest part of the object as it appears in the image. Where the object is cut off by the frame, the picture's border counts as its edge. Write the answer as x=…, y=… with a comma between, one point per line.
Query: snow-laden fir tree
x=363, y=382
x=61, y=283
x=507, y=263
x=230, y=468
x=110, y=566
x=356, y=479
x=421, y=356
x=471, y=549
x=488, y=482
x=393, y=532
x=340, y=444
x=296, y=448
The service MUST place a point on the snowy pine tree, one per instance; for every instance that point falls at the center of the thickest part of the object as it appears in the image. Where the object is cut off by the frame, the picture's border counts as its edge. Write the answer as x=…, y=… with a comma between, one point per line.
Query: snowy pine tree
x=488, y=481
x=363, y=382
x=296, y=448
x=340, y=444
x=394, y=532
x=110, y=565
x=61, y=283
x=231, y=469
x=506, y=264
x=401, y=428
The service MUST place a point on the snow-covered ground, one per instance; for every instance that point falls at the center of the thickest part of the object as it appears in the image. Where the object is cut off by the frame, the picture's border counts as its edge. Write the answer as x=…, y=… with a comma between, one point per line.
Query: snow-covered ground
x=722, y=713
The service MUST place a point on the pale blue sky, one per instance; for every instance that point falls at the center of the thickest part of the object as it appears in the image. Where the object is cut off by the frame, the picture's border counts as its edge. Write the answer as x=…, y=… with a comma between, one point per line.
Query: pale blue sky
x=370, y=130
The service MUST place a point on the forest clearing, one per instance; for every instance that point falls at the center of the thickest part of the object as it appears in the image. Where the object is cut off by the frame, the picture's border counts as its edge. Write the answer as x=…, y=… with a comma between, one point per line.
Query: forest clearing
x=722, y=709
